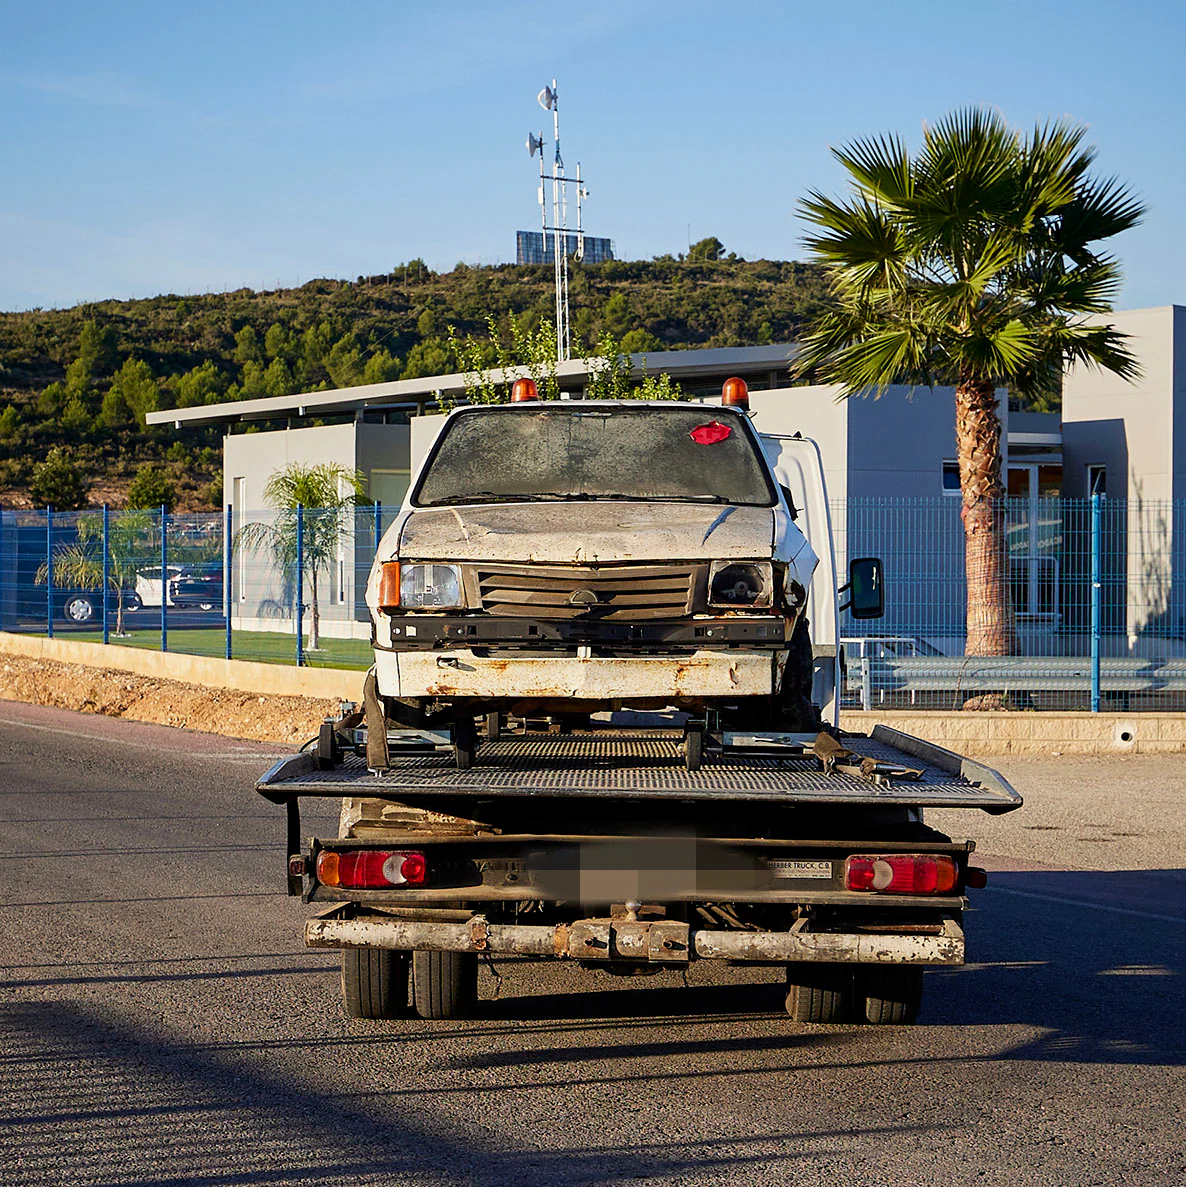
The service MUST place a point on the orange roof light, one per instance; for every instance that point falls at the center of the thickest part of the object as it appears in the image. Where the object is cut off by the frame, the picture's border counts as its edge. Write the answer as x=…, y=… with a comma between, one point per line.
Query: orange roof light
x=523, y=389
x=735, y=393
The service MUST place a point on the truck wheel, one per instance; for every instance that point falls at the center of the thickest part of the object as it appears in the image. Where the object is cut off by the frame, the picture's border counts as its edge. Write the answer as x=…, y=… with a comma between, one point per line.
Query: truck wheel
x=444, y=984
x=465, y=742
x=374, y=983
x=819, y=992
x=892, y=993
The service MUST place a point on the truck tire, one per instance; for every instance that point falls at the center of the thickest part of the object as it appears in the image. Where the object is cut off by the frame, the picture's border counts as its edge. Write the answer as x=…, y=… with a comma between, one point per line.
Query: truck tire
x=444, y=984
x=819, y=992
x=374, y=983
x=891, y=993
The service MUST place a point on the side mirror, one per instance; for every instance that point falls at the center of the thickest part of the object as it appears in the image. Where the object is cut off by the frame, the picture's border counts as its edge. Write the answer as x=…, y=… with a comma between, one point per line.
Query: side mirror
x=865, y=588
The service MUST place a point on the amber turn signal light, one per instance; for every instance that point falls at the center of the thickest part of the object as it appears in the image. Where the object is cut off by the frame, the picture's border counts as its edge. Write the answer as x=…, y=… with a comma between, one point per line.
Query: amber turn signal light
x=389, y=586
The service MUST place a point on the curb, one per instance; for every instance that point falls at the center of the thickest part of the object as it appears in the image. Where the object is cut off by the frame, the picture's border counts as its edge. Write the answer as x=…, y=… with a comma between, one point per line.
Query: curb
x=240, y=675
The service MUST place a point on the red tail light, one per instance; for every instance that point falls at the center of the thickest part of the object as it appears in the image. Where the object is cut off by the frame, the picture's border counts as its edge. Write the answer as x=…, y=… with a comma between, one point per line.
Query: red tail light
x=371, y=869
x=901, y=873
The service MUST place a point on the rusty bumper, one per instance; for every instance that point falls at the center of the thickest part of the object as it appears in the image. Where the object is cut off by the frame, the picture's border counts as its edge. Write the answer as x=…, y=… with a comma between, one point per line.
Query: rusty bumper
x=461, y=673
x=660, y=941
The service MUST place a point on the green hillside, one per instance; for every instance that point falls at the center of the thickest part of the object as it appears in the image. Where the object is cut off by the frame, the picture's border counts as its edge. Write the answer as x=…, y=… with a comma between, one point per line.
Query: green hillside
x=82, y=379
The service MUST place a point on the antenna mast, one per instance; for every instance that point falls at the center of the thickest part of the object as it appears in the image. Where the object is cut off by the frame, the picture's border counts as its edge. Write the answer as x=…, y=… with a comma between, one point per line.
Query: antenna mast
x=549, y=101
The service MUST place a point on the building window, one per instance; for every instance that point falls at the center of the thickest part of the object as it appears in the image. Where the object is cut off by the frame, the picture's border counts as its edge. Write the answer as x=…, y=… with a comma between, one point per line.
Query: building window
x=1097, y=480
x=951, y=478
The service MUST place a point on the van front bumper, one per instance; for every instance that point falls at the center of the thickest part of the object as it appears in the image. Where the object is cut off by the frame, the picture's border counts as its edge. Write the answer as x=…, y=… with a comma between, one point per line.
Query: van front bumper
x=702, y=673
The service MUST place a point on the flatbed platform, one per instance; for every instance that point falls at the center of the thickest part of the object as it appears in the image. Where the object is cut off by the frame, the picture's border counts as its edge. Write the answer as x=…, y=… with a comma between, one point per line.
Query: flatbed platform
x=647, y=765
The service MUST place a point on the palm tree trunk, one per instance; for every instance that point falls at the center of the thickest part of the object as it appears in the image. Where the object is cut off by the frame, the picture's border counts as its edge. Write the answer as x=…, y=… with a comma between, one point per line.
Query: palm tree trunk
x=978, y=442
x=119, y=612
x=315, y=630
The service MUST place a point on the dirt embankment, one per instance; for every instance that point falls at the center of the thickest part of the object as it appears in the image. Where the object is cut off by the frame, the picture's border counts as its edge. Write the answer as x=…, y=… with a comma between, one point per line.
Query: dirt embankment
x=289, y=720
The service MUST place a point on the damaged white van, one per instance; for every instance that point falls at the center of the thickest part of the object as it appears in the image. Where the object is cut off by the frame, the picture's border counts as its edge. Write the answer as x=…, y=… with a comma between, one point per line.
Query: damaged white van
x=557, y=558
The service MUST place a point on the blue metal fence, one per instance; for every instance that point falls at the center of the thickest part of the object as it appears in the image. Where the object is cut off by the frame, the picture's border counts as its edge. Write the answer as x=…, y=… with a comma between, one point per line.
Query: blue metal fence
x=1096, y=594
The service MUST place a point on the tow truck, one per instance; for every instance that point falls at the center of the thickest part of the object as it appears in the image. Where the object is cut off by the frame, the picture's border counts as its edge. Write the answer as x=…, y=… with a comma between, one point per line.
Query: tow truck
x=628, y=756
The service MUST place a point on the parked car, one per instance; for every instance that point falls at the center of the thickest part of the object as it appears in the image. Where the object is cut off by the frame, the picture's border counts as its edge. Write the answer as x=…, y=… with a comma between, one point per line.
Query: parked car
x=83, y=606
x=189, y=587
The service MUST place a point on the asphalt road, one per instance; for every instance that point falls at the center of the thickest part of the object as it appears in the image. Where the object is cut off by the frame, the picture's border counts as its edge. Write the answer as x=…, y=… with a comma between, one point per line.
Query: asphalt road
x=160, y=1022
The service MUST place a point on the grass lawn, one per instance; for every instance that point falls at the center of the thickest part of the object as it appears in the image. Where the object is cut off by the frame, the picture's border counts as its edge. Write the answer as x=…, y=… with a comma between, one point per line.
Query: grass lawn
x=271, y=647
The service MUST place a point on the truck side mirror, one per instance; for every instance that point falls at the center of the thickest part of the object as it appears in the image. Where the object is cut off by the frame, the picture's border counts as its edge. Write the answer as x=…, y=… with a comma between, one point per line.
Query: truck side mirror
x=865, y=588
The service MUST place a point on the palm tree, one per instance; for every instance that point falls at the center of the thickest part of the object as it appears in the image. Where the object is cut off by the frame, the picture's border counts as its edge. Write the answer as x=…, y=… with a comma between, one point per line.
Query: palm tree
x=326, y=493
x=971, y=263
x=80, y=564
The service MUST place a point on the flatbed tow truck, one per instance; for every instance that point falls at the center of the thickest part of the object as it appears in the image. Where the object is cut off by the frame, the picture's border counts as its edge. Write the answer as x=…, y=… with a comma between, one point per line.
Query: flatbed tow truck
x=599, y=731
x=778, y=849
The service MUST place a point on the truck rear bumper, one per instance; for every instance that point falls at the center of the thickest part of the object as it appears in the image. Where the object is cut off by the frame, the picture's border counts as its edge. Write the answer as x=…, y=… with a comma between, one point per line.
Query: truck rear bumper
x=505, y=674
x=661, y=941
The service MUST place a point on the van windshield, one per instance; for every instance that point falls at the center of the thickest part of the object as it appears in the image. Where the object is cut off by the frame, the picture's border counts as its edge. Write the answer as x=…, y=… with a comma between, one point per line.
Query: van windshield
x=679, y=453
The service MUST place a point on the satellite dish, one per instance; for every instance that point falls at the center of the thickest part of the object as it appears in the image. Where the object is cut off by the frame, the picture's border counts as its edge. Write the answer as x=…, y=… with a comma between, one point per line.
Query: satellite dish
x=535, y=144
x=547, y=98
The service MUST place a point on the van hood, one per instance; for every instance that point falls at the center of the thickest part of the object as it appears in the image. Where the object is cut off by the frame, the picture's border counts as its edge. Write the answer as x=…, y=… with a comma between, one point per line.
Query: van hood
x=585, y=533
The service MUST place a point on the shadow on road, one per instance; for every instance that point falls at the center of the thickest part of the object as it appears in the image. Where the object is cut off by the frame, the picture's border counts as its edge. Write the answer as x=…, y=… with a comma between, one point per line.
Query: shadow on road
x=1093, y=960
x=90, y=1099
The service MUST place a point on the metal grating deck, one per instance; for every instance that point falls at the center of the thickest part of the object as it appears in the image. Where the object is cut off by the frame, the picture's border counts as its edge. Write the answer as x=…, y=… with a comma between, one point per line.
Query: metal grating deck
x=635, y=767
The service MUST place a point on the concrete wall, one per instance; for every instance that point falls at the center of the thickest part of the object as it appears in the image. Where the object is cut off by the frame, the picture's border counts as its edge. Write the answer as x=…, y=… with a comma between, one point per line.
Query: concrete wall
x=264, y=679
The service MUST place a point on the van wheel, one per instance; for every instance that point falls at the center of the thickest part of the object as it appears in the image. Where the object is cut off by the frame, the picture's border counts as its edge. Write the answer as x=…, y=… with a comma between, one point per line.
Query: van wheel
x=793, y=707
x=819, y=992
x=374, y=983
x=891, y=993
x=445, y=984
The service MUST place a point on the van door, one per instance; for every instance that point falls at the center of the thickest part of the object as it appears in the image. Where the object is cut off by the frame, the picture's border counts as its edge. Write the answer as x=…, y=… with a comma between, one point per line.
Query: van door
x=798, y=466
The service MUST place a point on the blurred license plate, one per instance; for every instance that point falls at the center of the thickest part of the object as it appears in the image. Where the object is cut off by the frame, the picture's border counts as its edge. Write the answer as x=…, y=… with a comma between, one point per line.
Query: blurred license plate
x=801, y=869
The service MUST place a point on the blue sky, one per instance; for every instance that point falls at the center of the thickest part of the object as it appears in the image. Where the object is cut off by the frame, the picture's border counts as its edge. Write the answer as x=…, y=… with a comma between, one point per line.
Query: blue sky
x=156, y=147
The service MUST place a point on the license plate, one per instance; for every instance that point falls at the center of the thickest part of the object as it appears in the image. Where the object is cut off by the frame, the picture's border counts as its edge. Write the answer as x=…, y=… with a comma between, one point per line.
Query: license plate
x=821, y=870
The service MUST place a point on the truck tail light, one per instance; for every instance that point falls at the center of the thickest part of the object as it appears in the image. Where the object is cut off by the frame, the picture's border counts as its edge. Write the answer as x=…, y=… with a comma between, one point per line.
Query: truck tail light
x=901, y=873
x=371, y=869
x=389, y=586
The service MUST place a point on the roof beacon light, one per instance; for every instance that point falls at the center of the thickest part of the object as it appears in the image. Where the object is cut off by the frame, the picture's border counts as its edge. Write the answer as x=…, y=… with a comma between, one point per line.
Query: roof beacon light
x=735, y=393
x=522, y=390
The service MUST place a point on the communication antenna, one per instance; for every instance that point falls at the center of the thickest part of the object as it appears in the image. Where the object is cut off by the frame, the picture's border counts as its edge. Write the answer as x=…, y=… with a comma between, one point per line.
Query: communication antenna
x=549, y=100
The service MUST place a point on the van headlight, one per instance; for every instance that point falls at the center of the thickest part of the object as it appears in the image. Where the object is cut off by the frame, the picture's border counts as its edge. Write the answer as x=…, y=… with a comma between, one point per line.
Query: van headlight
x=741, y=583
x=430, y=587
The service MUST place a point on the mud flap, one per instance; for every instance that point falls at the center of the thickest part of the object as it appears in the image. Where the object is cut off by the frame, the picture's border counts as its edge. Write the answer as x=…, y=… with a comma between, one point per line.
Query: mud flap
x=378, y=757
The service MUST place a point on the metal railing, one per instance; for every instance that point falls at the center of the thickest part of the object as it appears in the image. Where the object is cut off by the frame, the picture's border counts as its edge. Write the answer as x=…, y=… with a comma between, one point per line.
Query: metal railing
x=1094, y=593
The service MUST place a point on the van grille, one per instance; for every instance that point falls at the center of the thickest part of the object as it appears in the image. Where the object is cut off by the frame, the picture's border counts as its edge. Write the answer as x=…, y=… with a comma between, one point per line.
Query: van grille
x=588, y=591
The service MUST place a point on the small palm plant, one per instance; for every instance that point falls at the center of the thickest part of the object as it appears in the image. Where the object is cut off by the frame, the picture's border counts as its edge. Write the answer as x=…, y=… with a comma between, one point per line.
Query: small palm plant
x=321, y=499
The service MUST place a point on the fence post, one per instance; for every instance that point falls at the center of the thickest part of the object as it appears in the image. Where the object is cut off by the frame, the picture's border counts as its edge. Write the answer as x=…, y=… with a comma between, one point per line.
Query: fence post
x=164, y=578
x=1095, y=602
x=300, y=584
x=106, y=572
x=227, y=587
x=49, y=570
